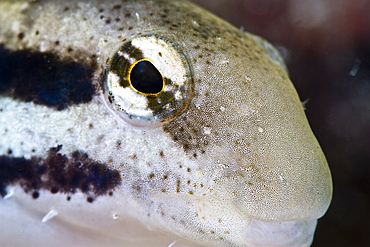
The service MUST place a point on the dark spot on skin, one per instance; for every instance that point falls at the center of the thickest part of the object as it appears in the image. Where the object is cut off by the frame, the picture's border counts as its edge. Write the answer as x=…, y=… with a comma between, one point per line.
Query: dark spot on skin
x=35, y=195
x=151, y=175
x=127, y=14
x=44, y=79
x=101, y=10
x=100, y=138
x=165, y=177
x=137, y=188
x=108, y=21
x=21, y=36
x=116, y=6
x=68, y=198
x=130, y=28
x=9, y=151
x=69, y=49
x=37, y=32
x=57, y=42
x=178, y=182
x=161, y=154
x=58, y=174
x=91, y=126
x=90, y=199
x=117, y=19
x=110, y=193
x=66, y=9
x=54, y=190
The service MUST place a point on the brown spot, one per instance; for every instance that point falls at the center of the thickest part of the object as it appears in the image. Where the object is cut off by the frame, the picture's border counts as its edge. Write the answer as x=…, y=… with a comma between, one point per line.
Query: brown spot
x=54, y=190
x=118, y=144
x=35, y=195
x=91, y=126
x=151, y=175
x=178, y=185
x=161, y=154
x=20, y=36
x=90, y=199
x=117, y=6
x=100, y=138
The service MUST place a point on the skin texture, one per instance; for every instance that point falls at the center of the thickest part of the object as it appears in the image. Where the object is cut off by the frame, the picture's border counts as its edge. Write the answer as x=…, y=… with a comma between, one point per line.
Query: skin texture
x=232, y=163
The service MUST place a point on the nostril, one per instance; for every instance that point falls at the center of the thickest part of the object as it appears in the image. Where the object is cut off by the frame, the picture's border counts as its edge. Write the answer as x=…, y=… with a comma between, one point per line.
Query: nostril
x=280, y=233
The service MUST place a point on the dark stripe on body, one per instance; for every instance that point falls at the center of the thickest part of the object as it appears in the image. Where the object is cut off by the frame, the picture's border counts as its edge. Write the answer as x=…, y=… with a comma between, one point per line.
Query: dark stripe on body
x=58, y=174
x=44, y=79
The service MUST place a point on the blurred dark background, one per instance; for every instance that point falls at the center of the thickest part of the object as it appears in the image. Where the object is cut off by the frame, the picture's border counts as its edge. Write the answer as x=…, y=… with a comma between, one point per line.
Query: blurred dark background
x=326, y=44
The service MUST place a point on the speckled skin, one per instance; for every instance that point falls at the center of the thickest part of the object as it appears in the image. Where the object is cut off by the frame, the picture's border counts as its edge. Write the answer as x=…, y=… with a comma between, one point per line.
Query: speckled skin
x=240, y=155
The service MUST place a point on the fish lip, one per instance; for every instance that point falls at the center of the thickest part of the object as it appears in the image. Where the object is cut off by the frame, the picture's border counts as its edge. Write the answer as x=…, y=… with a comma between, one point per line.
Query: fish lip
x=280, y=233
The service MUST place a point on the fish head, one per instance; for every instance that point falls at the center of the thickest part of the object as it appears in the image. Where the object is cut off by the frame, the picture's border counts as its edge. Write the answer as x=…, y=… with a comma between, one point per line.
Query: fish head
x=226, y=152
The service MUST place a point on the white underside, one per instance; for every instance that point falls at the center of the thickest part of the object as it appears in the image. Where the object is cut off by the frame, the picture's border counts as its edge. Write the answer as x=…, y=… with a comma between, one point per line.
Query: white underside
x=22, y=224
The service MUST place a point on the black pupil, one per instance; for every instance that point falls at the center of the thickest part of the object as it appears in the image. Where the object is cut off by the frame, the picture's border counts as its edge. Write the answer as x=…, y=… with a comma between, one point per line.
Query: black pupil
x=146, y=78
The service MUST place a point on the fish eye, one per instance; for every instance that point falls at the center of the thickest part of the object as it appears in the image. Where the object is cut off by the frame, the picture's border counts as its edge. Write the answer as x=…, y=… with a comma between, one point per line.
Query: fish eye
x=145, y=78
x=149, y=80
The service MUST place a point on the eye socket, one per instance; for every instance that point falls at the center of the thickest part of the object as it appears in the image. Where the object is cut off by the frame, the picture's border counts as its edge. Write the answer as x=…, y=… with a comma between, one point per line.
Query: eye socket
x=149, y=80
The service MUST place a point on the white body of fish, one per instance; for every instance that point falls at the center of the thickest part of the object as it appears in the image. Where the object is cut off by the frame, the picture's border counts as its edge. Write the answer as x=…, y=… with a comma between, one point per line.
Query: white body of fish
x=214, y=149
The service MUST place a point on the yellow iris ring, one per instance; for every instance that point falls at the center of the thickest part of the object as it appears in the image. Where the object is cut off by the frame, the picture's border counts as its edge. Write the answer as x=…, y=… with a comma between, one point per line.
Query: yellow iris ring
x=128, y=78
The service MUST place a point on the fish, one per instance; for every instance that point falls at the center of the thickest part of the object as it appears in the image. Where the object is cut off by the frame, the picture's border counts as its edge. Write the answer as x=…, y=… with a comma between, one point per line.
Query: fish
x=150, y=123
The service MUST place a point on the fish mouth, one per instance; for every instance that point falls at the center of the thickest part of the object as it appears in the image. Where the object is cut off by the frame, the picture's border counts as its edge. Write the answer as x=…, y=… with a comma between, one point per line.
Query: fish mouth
x=280, y=233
